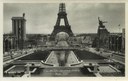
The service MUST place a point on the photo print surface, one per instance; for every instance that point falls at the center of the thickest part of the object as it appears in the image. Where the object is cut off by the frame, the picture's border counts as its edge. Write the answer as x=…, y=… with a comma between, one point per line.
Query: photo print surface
x=64, y=40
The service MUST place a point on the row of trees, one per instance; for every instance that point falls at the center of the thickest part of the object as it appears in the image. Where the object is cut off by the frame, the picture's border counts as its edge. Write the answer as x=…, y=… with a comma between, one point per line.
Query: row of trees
x=35, y=40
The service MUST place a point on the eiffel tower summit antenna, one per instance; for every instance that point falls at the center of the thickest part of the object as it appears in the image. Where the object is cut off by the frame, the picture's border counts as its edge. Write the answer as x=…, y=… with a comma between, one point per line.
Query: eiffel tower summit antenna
x=62, y=7
x=62, y=28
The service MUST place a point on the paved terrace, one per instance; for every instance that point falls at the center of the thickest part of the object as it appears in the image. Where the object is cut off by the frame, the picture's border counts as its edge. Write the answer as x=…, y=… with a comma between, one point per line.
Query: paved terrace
x=10, y=57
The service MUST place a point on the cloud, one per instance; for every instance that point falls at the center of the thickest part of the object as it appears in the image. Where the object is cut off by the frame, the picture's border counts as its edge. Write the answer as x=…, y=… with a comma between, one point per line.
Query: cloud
x=41, y=17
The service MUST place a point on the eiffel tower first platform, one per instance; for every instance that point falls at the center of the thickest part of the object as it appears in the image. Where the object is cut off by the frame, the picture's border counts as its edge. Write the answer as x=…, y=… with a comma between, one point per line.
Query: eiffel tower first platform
x=61, y=28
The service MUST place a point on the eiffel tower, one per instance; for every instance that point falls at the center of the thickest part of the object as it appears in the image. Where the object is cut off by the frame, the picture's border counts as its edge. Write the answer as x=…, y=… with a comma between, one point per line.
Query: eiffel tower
x=61, y=28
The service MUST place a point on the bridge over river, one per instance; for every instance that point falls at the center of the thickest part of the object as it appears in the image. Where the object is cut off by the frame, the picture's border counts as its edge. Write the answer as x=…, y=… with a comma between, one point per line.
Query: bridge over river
x=64, y=48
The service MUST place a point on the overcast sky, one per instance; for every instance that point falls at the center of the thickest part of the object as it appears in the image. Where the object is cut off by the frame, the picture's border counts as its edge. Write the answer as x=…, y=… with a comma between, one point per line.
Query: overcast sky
x=83, y=17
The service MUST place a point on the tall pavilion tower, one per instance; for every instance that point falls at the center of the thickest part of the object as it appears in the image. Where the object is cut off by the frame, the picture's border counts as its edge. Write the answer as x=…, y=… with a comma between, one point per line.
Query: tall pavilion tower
x=102, y=33
x=19, y=30
x=61, y=28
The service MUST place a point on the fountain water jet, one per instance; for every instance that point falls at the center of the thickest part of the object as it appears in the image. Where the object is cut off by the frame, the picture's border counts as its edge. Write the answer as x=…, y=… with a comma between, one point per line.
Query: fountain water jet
x=62, y=58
